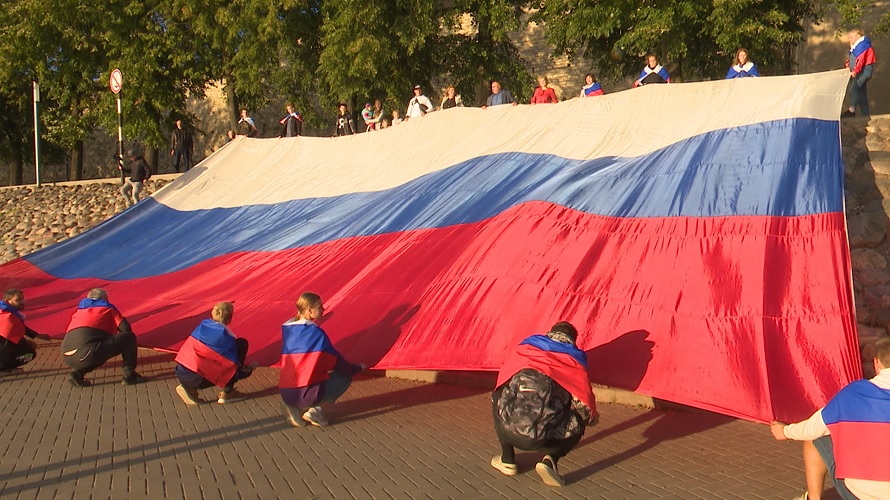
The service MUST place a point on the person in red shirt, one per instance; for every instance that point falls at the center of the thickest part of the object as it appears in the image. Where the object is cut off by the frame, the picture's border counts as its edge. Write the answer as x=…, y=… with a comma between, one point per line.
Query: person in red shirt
x=861, y=63
x=98, y=332
x=15, y=349
x=544, y=94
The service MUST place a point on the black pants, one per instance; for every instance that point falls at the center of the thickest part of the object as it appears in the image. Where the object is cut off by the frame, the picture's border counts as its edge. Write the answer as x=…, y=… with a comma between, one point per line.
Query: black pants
x=15, y=355
x=556, y=448
x=189, y=378
x=92, y=355
x=184, y=156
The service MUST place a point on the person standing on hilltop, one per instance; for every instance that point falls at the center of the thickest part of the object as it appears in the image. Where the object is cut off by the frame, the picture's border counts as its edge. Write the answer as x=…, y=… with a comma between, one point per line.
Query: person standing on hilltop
x=246, y=125
x=861, y=63
x=292, y=123
x=181, y=147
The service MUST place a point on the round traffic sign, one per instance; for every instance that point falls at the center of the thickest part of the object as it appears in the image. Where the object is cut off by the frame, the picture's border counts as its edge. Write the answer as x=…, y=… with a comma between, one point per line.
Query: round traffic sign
x=116, y=81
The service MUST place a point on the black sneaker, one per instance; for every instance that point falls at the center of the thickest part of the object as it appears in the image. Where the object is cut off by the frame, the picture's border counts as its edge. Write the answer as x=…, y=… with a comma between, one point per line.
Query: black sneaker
x=133, y=379
x=77, y=380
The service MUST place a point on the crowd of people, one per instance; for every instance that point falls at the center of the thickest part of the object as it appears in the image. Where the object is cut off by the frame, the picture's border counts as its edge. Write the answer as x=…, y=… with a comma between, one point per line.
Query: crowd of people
x=313, y=374
x=861, y=60
x=542, y=401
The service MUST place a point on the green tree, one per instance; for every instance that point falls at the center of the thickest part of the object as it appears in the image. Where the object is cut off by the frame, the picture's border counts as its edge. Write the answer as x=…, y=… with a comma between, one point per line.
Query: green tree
x=694, y=38
x=52, y=42
x=243, y=44
x=382, y=48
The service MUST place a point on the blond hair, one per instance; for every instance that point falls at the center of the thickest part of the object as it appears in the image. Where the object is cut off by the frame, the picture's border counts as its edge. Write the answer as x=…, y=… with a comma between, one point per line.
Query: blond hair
x=222, y=312
x=546, y=81
x=307, y=301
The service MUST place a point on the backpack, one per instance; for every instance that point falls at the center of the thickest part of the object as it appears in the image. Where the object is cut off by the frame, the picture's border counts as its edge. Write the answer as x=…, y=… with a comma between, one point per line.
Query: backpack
x=534, y=407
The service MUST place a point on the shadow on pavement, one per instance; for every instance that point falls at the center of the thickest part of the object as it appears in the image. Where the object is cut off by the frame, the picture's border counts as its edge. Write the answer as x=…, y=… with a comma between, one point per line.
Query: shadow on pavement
x=124, y=459
x=665, y=426
x=379, y=404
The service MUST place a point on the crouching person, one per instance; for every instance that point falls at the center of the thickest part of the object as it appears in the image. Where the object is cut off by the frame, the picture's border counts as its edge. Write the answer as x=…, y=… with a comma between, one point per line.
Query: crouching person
x=98, y=332
x=212, y=356
x=543, y=401
x=15, y=349
x=313, y=373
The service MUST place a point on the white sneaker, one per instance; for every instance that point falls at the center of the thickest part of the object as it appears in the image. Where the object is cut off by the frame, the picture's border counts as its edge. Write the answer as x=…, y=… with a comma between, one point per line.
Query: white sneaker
x=546, y=468
x=189, y=395
x=315, y=417
x=504, y=468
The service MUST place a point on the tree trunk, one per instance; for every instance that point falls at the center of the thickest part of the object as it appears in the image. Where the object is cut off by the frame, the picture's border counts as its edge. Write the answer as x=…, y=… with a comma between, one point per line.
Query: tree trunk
x=18, y=170
x=151, y=157
x=75, y=163
x=232, y=102
x=483, y=87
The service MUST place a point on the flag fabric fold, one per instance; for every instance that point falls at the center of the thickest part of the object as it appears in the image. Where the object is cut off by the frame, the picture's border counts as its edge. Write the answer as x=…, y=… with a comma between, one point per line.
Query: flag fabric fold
x=701, y=253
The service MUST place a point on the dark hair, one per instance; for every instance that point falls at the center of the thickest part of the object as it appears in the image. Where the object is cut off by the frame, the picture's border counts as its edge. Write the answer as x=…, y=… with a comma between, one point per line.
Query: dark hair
x=566, y=328
x=11, y=293
x=591, y=76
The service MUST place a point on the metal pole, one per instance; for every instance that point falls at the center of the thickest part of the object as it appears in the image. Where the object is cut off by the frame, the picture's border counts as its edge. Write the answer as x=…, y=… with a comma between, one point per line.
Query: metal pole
x=120, y=138
x=36, y=86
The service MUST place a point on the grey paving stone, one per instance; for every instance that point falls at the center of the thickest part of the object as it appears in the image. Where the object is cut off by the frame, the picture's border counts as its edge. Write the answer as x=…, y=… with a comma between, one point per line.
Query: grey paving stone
x=389, y=439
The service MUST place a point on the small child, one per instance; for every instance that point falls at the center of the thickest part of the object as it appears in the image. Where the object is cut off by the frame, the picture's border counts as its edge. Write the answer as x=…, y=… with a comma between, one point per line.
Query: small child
x=395, y=117
x=312, y=371
x=212, y=356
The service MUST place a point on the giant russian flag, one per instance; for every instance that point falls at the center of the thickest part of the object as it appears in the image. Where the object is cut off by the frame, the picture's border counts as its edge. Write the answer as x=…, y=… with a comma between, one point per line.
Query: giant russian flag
x=694, y=233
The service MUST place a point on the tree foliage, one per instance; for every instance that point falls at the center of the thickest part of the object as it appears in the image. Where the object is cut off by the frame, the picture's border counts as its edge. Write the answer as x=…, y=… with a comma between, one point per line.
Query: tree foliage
x=695, y=38
x=316, y=53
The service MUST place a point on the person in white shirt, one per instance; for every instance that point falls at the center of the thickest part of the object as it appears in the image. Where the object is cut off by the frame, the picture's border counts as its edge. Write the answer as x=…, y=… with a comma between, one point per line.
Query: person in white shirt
x=419, y=105
x=849, y=437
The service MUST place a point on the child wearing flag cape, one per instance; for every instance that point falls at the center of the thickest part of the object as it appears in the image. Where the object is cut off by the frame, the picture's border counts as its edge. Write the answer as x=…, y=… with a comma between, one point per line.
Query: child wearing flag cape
x=543, y=401
x=312, y=371
x=212, y=356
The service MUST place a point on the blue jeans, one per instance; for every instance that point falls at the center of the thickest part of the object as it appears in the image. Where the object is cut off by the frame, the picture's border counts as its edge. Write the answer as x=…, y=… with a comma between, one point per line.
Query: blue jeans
x=858, y=91
x=826, y=450
x=334, y=387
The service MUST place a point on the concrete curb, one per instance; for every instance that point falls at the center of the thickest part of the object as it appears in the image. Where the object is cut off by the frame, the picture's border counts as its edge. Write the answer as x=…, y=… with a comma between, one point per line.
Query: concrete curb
x=486, y=380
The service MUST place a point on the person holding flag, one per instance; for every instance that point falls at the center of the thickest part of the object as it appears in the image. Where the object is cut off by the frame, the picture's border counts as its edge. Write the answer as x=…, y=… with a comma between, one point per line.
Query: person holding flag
x=861, y=63
x=591, y=87
x=742, y=67
x=292, y=123
x=15, y=349
x=312, y=371
x=98, y=332
x=543, y=401
x=652, y=72
x=212, y=356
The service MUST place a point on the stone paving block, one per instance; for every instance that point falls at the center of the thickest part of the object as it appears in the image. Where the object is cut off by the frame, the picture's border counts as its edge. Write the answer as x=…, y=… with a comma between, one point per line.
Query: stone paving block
x=390, y=439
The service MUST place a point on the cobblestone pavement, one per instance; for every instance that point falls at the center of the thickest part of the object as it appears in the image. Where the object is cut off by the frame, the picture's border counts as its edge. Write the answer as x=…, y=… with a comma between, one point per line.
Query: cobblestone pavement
x=389, y=439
